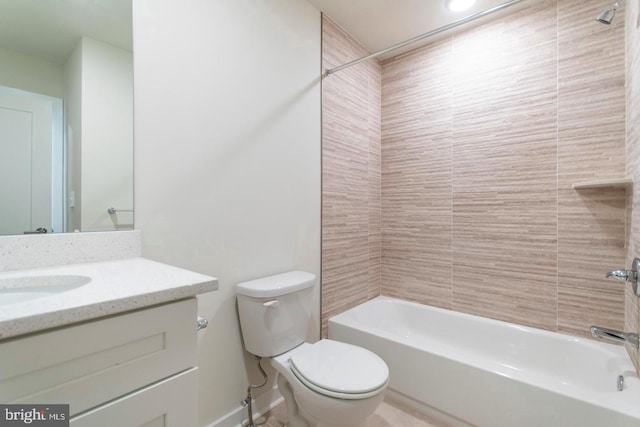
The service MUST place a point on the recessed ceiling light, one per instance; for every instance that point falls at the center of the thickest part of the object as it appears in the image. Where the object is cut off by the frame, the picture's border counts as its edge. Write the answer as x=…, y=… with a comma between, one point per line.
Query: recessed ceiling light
x=459, y=5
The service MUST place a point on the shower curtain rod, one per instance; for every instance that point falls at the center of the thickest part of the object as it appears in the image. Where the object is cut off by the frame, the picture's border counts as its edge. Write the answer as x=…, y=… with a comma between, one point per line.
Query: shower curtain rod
x=423, y=36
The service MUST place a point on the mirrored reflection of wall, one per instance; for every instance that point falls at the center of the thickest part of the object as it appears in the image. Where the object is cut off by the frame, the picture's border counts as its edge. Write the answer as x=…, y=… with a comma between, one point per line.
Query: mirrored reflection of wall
x=26, y=72
x=99, y=88
x=96, y=84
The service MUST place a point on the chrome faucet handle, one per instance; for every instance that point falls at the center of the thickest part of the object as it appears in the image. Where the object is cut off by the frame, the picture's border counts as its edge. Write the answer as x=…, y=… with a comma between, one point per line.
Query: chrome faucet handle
x=632, y=275
x=622, y=275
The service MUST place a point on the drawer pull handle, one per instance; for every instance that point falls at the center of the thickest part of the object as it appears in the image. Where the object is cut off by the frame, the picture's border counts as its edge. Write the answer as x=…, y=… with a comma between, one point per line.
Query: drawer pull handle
x=202, y=323
x=271, y=304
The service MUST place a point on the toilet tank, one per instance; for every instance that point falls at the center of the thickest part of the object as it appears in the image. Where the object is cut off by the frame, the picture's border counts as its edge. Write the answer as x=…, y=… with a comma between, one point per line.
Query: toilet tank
x=275, y=312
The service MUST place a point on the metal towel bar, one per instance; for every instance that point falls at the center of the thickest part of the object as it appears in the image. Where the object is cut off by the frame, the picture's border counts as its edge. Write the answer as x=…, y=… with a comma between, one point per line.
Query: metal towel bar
x=113, y=210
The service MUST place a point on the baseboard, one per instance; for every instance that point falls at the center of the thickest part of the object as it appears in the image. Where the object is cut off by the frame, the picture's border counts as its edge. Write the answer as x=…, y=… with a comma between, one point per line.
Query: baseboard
x=261, y=405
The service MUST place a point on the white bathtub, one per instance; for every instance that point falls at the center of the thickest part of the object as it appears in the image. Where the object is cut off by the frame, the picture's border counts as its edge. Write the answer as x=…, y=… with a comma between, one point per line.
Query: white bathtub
x=475, y=371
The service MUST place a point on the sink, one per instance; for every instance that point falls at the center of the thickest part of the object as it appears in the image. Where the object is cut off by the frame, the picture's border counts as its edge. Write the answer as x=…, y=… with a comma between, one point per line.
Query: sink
x=19, y=289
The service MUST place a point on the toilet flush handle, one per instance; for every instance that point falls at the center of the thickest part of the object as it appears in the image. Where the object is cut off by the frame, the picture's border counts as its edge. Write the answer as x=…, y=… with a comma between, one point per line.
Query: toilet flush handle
x=272, y=303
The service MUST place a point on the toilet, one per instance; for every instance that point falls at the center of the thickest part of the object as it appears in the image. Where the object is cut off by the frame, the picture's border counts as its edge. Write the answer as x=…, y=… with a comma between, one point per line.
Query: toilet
x=324, y=384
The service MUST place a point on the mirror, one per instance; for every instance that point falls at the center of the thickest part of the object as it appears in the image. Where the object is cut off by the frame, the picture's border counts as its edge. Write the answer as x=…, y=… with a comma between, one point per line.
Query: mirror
x=66, y=116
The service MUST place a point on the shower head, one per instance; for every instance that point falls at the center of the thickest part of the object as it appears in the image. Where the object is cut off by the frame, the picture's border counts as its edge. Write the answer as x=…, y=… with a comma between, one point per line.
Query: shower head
x=607, y=16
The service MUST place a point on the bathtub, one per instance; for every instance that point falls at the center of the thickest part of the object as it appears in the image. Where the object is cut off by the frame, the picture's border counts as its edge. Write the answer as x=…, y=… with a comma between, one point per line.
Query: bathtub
x=467, y=370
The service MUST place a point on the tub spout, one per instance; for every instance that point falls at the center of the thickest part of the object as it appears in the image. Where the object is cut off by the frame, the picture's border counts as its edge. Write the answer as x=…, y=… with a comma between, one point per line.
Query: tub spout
x=625, y=337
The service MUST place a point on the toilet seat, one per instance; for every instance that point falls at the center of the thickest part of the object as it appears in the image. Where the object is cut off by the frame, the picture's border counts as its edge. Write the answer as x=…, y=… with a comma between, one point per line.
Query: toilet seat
x=340, y=370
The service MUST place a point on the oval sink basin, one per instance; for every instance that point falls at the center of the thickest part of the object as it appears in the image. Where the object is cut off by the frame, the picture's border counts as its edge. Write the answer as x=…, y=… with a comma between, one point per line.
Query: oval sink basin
x=19, y=289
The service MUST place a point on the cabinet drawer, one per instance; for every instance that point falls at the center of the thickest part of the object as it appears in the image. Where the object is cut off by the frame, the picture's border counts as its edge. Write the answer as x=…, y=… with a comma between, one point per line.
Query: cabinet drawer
x=168, y=403
x=97, y=361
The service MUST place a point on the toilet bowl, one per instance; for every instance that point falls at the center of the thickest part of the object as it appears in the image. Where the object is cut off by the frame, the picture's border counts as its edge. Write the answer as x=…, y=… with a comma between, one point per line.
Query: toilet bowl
x=324, y=384
x=332, y=384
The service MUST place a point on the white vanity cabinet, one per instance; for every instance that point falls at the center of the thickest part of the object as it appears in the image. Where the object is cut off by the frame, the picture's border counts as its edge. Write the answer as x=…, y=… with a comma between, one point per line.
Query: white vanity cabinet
x=131, y=369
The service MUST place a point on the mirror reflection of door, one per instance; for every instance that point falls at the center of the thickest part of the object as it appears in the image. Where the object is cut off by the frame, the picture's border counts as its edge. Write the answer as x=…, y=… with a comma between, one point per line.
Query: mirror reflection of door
x=31, y=170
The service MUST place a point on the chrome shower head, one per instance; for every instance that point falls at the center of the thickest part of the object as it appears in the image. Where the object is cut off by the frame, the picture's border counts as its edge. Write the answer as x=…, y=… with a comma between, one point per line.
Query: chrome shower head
x=607, y=16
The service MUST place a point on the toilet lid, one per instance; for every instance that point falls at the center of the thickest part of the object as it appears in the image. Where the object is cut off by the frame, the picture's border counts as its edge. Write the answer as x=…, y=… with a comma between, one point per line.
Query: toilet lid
x=339, y=368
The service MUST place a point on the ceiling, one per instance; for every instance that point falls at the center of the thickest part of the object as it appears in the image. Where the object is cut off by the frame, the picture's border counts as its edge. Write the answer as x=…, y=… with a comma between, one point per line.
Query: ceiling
x=378, y=24
x=50, y=29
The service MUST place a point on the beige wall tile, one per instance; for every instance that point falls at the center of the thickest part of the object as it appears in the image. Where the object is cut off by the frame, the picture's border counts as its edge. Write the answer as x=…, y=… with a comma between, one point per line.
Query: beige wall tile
x=375, y=178
x=590, y=146
x=351, y=237
x=504, y=247
x=591, y=118
x=590, y=242
x=632, y=307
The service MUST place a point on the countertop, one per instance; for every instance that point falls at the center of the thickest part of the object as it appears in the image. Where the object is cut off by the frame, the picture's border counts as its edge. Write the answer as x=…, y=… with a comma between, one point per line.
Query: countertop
x=115, y=287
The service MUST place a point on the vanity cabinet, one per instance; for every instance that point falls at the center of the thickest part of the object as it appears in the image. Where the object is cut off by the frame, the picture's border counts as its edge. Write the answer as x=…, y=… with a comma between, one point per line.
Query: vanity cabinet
x=133, y=369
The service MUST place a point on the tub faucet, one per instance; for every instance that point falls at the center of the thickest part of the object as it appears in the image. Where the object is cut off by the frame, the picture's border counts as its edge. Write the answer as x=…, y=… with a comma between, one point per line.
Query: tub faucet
x=625, y=337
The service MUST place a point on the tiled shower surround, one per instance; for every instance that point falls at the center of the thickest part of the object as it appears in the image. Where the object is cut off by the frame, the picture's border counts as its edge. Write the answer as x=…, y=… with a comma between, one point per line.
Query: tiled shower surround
x=482, y=135
x=632, y=318
x=351, y=206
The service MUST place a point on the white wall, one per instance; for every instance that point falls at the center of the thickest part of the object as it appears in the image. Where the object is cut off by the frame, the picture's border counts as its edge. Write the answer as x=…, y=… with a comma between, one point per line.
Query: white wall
x=227, y=157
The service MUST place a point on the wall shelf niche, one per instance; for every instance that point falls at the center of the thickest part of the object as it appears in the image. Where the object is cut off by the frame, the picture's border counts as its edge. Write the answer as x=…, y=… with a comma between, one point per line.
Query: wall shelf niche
x=604, y=183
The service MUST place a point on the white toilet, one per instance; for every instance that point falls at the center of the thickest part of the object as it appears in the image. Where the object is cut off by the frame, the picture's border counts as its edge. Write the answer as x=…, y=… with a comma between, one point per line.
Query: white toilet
x=325, y=384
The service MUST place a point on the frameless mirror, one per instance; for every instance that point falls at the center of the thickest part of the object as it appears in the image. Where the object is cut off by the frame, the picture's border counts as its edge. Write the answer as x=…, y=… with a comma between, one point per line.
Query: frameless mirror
x=66, y=116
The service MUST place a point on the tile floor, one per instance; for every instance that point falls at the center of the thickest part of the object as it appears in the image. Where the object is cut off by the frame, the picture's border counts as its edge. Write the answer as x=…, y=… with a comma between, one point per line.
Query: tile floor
x=389, y=414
